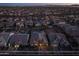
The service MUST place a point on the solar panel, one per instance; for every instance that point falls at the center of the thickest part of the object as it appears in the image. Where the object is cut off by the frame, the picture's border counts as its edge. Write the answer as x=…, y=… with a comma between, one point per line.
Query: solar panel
x=21, y=39
x=58, y=40
x=38, y=36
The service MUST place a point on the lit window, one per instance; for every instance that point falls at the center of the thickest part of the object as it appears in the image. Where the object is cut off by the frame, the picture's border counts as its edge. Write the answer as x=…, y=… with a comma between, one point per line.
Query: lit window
x=16, y=46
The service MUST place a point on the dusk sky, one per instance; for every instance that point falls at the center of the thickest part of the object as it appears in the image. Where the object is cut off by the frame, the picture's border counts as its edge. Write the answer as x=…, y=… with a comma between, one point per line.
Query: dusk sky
x=29, y=4
x=21, y=4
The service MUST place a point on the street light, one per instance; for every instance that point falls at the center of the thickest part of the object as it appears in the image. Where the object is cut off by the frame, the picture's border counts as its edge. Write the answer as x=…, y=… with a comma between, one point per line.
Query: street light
x=41, y=45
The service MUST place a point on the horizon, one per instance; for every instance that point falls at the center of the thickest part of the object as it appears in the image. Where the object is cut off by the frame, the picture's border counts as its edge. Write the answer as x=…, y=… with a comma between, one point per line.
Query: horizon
x=33, y=4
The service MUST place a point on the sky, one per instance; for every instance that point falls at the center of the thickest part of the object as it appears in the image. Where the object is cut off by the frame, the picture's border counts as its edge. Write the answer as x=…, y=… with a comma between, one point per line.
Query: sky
x=22, y=4
x=30, y=4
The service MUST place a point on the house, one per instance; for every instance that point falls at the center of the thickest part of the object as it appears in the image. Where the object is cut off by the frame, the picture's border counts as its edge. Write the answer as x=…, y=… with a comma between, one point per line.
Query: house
x=18, y=39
